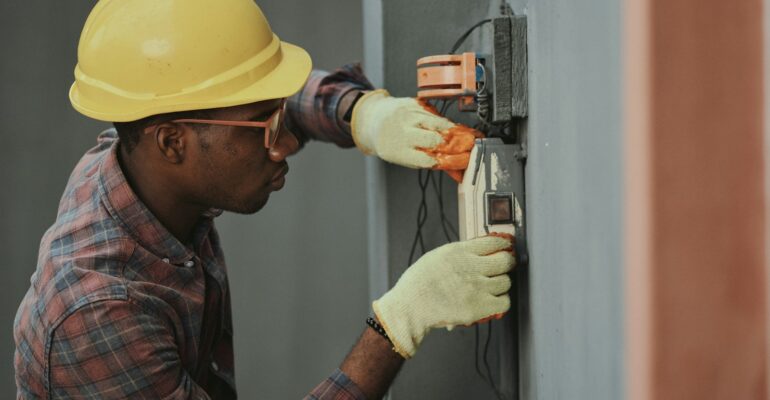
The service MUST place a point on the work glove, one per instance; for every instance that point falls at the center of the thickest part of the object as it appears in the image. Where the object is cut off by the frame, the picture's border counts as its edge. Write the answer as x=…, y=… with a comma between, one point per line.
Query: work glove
x=456, y=284
x=410, y=133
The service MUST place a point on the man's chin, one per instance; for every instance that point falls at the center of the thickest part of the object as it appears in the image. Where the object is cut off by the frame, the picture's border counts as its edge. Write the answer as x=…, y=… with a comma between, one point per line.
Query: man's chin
x=249, y=208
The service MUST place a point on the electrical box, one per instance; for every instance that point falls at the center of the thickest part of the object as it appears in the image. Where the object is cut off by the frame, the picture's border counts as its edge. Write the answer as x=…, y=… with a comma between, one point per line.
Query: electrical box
x=491, y=195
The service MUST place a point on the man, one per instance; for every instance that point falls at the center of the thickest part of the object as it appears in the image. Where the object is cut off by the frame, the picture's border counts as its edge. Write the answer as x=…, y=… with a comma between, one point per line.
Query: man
x=130, y=297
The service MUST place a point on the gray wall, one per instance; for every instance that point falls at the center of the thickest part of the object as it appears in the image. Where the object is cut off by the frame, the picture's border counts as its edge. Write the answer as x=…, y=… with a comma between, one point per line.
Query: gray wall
x=571, y=334
x=299, y=263
x=574, y=201
x=42, y=138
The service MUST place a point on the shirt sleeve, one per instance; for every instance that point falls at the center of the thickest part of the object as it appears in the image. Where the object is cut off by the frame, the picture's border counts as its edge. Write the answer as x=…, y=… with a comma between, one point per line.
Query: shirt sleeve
x=113, y=349
x=312, y=113
x=337, y=387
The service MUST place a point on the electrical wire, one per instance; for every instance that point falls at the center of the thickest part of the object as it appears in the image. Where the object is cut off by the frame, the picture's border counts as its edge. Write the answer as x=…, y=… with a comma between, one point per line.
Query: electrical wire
x=450, y=232
x=467, y=33
x=491, y=380
x=422, y=215
x=482, y=99
x=476, y=349
x=426, y=178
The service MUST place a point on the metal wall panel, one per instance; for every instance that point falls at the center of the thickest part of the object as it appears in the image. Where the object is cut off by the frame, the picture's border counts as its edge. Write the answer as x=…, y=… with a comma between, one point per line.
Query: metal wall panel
x=574, y=348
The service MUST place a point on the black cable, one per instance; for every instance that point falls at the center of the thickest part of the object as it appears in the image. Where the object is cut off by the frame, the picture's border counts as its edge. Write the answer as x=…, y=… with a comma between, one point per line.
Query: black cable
x=486, y=352
x=445, y=106
x=465, y=35
x=449, y=223
x=446, y=225
x=421, y=218
x=422, y=215
x=422, y=209
x=450, y=232
x=476, y=347
x=486, y=363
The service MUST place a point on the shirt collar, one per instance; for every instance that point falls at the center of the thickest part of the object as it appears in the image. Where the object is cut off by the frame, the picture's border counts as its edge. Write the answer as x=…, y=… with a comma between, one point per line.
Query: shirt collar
x=123, y=205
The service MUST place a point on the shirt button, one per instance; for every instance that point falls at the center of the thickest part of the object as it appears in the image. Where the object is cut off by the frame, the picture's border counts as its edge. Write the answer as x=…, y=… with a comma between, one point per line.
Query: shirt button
x=215, y=366
x=189, y=264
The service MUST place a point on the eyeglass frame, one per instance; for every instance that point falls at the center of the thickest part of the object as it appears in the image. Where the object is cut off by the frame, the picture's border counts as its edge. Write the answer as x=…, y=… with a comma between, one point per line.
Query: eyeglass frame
x=279, y=113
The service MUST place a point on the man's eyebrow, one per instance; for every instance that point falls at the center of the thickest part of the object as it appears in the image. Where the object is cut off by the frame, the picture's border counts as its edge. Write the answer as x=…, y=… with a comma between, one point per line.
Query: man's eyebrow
x=263, y=115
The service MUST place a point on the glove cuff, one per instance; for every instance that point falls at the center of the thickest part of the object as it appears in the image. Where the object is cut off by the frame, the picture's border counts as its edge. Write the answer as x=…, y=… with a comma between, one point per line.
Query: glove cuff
x=364, y=140
x=395, y=318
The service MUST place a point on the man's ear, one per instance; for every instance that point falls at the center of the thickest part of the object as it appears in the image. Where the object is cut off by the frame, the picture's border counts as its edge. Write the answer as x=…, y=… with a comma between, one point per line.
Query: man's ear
x=171, y=141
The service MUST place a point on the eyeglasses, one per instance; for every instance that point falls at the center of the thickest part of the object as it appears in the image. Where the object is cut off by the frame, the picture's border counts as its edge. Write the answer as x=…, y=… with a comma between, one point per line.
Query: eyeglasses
x=272, y=125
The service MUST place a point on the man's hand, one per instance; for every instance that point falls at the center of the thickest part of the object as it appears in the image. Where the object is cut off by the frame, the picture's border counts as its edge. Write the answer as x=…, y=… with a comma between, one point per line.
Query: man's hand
x=456, y=284
x=410, y=133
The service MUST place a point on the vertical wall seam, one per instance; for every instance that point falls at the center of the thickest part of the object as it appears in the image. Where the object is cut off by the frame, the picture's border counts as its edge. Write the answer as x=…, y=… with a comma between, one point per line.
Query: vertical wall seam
x=376, y=193
x=637, y=201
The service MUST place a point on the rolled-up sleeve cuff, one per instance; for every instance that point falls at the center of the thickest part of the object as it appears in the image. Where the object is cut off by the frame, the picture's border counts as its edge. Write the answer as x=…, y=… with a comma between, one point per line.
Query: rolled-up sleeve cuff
x=312, y=113
x=338, y=387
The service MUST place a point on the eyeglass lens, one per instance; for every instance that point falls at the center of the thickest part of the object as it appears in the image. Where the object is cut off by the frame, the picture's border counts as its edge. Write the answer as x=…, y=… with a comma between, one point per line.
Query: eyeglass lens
x=275, y=128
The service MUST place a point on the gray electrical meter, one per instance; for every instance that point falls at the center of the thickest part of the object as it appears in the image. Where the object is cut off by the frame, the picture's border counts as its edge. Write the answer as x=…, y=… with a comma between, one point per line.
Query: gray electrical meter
x=491, y=195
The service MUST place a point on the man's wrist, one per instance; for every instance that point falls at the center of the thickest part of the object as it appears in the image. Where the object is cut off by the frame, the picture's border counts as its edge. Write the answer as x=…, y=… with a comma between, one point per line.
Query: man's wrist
x=372, y=364
x=346, y=105
x=377, y=327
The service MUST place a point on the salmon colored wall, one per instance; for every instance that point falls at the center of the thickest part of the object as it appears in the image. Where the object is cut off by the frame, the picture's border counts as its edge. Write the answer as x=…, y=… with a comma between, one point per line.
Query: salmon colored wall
x=695, y=200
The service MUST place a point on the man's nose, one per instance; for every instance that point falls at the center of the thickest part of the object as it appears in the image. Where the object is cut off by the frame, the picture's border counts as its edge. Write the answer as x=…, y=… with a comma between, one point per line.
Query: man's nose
x=286, y=145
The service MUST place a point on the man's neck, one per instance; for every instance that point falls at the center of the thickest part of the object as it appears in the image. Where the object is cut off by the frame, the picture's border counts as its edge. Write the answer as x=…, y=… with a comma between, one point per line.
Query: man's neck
x=177, y=214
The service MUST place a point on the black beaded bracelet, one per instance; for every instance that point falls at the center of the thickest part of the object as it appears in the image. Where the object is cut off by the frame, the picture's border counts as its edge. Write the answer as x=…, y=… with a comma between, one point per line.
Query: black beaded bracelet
x=377, y=328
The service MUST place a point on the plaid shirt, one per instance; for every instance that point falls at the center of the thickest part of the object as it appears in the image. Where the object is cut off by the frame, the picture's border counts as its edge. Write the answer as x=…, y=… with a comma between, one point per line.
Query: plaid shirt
x=312, y=113
x=119, y=308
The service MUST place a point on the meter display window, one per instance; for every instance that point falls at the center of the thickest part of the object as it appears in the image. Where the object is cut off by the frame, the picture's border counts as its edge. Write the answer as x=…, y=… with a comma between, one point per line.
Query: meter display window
x=499, y=209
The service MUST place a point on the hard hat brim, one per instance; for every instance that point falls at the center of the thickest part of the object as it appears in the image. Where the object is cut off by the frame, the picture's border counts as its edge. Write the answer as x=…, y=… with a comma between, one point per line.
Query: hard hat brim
x=286, y=79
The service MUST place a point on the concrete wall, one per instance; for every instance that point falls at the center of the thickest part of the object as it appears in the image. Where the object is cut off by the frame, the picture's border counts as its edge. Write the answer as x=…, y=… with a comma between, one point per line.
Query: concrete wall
x=574, y=201
x=42, y=139
x=298, y=268
x=571, y=336
x=299, y=263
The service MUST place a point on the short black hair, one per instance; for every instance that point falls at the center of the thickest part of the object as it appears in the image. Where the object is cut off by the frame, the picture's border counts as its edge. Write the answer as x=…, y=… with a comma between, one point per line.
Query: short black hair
x=130, y=132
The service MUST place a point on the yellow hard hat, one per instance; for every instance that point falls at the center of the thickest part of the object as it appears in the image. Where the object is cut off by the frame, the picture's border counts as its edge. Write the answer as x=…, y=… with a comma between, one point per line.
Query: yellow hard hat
x=138, y=58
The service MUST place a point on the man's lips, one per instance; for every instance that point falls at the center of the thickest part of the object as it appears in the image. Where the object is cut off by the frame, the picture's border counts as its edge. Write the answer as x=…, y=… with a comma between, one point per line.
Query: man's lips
x=279, y=179
x=281, y=172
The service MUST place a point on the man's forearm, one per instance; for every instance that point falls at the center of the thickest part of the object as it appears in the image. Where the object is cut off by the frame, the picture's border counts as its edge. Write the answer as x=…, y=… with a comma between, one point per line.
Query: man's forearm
x=372, y=364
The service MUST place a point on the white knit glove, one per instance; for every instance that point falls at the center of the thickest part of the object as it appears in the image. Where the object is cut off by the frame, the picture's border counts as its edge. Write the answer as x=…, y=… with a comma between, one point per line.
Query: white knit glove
x=456, y=284
x=409, y=132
